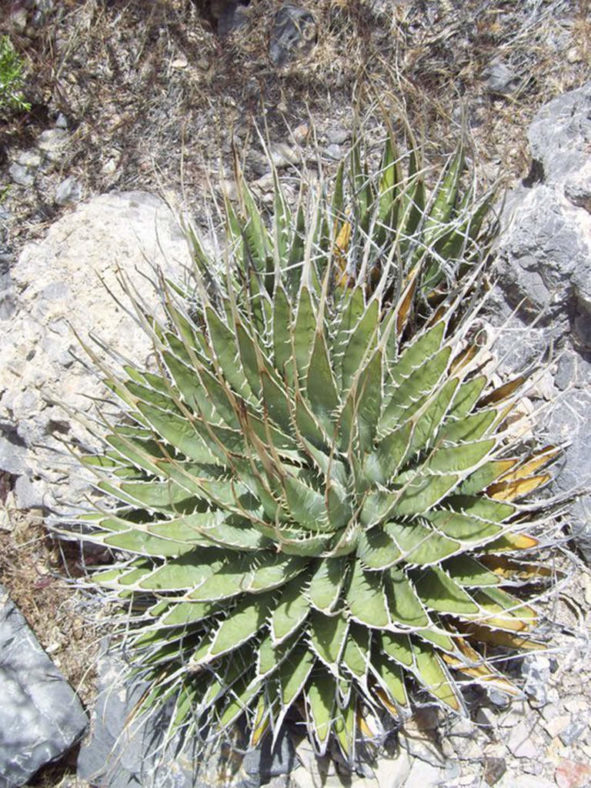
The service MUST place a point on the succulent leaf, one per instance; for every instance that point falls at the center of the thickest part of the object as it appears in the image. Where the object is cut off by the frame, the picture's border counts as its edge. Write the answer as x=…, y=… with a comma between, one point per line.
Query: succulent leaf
x=314, y=485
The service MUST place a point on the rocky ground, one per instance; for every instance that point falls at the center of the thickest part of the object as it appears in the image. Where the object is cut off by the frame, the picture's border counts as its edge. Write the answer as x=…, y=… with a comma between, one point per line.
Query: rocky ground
x=160, y=97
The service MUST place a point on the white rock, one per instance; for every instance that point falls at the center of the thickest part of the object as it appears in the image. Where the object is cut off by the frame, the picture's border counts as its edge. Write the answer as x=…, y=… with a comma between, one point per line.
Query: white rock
x=61, y=286
x=424, y=775
x=520, y=742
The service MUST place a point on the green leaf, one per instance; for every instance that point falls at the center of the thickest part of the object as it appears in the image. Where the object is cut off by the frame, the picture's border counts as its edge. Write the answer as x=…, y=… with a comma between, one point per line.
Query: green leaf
x=230, y=579
x=383, y=463
x=440, y=592
x=366, y=598
x=422, y=493
x=470, y=428
x=326, y=583
x=362, y=339
x=249, y=615
x=356, y=653
x=183, y=613
x=327, y=637
x=293, y=674
x=376, y=550
x=458, y=458
x=462, y=527
x=467, y=396
x=291, y=610
x=411, y=390
x=306, y=505
x=390, y=678
x=304, y=331
x=398, y=646
x=403, y=602
x=419, y=544
x=320, y=702
x=322, y=391
x=469, y=572
x=271, y=655
x=179, y=431
x=240, y=699
x=282, y=315
x=274, y=571
x=225, y=353
x=432, y=674
x=369, y=401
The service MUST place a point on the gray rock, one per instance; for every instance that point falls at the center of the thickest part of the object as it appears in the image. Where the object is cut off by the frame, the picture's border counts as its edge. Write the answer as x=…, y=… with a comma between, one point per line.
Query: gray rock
x=30, y=159
x=425, y=774
x=29, y=493
x=52, y=140
x=544, y=273
x=68, y=191
x=499, y=78
x=293, y=34
x=338, y=135
x=12, y=457
x=573, y=731
x=520, y=742
x=536, y=670
x=233, y=16
x=546, y=236
x=334, y=152
x=40, y=715
x=21, y=175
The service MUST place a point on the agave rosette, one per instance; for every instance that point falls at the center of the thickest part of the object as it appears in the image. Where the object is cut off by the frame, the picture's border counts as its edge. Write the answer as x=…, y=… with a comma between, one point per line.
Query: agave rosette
x=313, y=491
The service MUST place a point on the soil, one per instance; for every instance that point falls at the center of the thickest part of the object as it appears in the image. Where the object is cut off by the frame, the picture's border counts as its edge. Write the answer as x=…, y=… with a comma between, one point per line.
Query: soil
x=155, y=99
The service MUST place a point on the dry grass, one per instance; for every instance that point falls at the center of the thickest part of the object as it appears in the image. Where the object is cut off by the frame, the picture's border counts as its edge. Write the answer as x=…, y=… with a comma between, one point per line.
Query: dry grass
x=32, y=570
x=153, y=96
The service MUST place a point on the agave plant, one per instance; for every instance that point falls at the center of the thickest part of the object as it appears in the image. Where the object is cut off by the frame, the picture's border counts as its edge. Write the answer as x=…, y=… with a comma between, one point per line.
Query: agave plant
x=310, y=496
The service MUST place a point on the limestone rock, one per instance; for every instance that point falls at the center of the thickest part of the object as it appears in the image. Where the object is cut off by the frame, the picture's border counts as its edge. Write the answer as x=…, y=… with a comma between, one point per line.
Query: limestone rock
x=68, y=284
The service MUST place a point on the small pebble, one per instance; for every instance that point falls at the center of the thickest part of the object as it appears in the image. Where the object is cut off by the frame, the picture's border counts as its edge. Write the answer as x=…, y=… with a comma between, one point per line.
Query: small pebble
x=283, y=155
x=333, y=152
x=556, y=725
x=573, y=55
x=68, y=191
x=493, y=769
x=572, y=732
x=338, y=136
x=301, y=133
x=29, y=158
x=52, y=139
x=520, y=742
x=21, y=175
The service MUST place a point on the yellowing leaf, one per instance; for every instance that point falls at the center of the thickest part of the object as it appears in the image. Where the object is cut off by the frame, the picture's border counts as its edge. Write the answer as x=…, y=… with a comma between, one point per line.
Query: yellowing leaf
x=341, y=245
x=464, y=358
x=497, y=637
x=406, y=300
x=504, y=567
x=517, y=488
x=537, y=460
x=503, y=392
